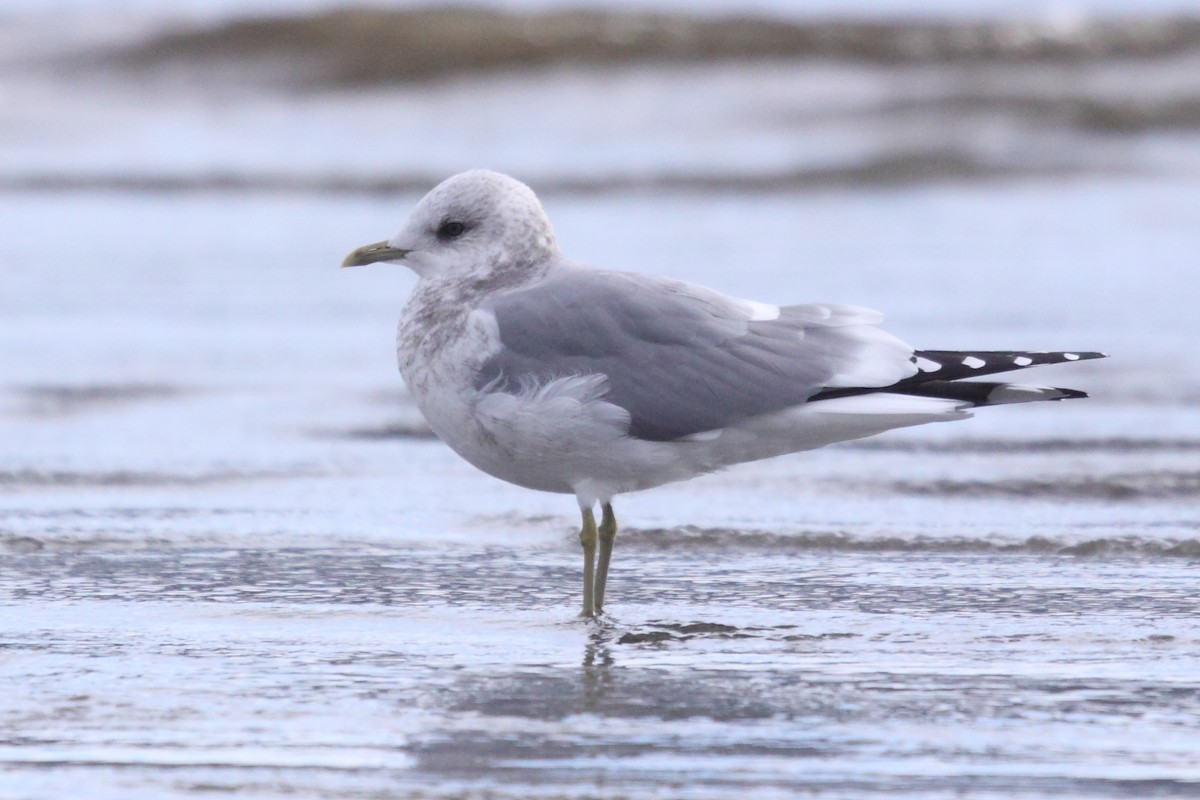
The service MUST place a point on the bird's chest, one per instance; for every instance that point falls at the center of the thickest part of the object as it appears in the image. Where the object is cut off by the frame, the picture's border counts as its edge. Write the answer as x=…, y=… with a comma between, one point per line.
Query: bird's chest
x=440, y=350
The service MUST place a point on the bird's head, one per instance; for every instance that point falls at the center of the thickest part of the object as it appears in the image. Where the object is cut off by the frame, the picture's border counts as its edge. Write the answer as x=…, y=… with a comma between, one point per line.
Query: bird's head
x=473, y=224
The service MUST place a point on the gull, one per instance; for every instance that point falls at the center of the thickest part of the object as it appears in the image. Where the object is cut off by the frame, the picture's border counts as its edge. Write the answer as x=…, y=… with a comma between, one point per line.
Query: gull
x=562, y=378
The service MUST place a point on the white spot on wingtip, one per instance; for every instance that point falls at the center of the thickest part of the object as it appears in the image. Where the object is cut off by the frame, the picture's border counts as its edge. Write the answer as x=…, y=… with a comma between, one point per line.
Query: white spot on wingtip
x=1071, y=356
x=973, y=362
x=1015, y=393
x=1022, y=361
x=926, y=365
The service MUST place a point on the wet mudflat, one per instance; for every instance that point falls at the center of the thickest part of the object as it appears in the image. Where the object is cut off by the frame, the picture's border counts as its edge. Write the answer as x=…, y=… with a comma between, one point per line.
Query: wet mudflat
x=365, y=671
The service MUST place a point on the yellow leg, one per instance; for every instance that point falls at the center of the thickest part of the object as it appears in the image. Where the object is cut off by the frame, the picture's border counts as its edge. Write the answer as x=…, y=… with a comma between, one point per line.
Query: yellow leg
x=608, y=535
x=587, y=537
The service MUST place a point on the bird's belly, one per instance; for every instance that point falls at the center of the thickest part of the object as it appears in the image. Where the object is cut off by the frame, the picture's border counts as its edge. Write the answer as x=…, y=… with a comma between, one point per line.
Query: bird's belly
x=450, y=409
x=543, y=472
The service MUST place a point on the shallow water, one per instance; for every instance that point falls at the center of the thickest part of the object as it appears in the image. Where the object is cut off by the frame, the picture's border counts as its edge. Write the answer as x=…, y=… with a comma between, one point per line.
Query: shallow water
x=233, y=561
x=344, y=672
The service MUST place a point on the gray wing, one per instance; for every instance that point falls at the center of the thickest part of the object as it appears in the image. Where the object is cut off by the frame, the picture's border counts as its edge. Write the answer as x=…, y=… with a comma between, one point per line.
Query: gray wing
x=682, y=359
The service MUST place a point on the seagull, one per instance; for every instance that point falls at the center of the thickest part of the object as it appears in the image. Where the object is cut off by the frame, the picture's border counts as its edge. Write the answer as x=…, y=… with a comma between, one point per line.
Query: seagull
x=562, y=378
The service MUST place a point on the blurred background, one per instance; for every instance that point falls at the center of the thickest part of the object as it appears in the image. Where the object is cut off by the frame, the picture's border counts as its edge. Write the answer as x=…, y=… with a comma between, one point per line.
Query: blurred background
x=196, y=405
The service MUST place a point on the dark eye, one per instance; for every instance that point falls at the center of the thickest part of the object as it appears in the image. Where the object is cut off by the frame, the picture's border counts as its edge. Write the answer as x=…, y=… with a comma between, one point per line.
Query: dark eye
x=451, y=229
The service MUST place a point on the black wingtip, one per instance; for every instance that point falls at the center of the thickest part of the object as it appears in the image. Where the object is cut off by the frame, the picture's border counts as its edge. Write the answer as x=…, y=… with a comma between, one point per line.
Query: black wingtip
x=1071, y=394
x=951, y=365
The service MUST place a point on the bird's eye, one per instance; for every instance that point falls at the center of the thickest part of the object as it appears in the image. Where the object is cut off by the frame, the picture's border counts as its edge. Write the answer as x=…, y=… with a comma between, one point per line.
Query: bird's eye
x=451, y=229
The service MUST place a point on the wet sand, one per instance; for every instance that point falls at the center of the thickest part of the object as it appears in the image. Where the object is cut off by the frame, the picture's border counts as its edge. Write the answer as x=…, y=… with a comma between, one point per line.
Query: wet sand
x=452, y=670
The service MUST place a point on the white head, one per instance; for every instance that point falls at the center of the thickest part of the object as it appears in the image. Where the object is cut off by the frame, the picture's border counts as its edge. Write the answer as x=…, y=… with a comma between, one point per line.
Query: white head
x=476, y=223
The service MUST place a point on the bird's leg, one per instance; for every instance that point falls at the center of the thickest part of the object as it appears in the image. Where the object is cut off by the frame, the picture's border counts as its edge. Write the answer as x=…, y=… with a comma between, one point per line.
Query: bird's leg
x=608, y=535
x=587, y=537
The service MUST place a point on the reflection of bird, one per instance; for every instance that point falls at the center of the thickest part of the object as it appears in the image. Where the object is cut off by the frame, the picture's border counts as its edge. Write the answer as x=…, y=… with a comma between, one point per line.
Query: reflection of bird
x=566, y=379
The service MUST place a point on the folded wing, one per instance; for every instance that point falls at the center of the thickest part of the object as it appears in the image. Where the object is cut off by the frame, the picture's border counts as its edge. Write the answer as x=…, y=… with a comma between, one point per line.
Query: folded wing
x=681, y=359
